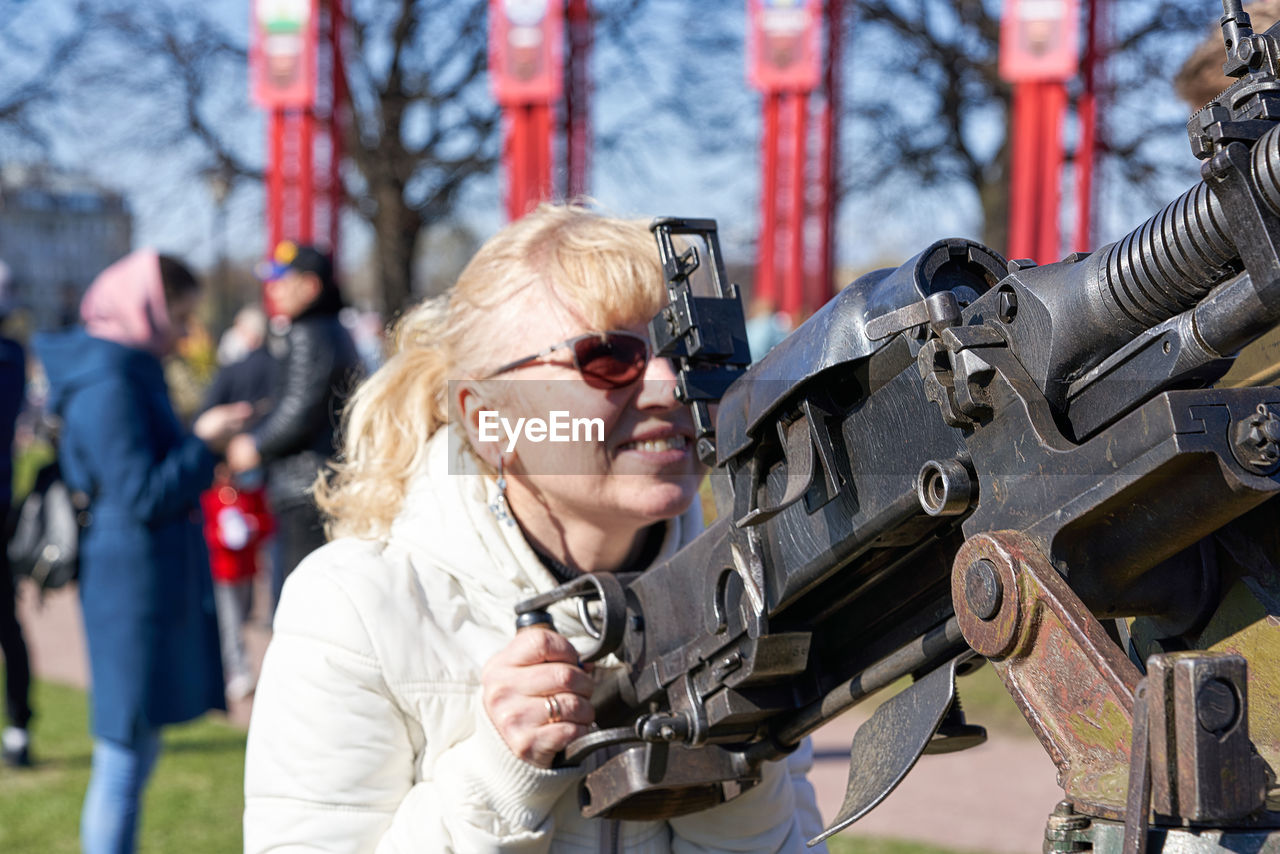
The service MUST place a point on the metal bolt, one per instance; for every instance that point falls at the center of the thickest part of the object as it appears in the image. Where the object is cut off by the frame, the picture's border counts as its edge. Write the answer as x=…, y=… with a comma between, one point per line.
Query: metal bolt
x=1257, y=440
x=1245, y=51
x=668, y=733
x=726, y=665
x=1216, y=706
x=1270, y=429
x=982, y=589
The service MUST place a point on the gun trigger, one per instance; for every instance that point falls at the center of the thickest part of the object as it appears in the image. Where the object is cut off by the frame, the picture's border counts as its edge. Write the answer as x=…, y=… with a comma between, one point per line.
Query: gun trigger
x=798, y=452
x=887, y=746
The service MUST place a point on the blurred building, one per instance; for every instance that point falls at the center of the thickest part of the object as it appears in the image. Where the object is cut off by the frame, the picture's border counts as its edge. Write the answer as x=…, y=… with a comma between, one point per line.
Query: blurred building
x=57, y=231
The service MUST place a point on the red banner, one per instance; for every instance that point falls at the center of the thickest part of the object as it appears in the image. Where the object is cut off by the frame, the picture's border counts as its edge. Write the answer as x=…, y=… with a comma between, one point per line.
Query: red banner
x=526, y=50
x=1039, y=40
x=784, y=51
x=282, y=53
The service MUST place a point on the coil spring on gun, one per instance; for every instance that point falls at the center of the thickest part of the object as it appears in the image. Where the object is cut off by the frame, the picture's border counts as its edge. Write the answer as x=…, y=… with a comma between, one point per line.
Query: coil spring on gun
x=1172, y=261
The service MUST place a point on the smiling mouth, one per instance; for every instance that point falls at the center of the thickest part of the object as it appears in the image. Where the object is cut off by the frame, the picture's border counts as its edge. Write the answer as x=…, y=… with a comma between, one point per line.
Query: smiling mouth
x=654, y=446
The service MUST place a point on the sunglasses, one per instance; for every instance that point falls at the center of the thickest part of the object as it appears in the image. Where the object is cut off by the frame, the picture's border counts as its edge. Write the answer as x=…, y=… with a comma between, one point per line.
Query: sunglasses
x=605, y=360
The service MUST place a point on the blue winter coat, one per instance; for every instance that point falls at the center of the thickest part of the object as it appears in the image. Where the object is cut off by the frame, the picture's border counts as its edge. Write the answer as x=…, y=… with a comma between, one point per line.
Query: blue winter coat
x=144, y=573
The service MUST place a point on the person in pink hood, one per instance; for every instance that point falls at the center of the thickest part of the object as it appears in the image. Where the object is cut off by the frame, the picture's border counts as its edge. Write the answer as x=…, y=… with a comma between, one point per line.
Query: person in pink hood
x=144, y=572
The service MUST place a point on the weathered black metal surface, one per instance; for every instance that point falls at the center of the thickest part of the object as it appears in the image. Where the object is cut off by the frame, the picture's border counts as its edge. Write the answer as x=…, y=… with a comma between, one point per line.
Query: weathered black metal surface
x=1204, y=767
x=836, y=334
x=655, y=781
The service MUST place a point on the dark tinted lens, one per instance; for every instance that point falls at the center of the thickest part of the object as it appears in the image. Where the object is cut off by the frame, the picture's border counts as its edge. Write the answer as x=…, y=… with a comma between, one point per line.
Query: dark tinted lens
x=612, y=361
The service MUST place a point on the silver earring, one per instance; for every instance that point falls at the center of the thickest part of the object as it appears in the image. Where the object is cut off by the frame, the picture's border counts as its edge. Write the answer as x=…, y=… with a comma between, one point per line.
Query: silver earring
x=499, y=507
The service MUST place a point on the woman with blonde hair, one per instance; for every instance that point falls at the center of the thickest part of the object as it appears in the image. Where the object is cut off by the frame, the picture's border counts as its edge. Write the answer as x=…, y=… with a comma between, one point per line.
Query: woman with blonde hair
x=398, y=709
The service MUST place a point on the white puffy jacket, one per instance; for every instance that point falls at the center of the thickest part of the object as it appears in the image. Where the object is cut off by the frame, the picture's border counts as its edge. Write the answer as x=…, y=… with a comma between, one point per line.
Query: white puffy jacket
x=368, y=732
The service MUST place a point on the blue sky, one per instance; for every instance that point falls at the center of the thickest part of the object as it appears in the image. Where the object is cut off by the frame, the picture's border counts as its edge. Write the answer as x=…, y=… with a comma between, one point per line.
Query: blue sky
x=656, y=172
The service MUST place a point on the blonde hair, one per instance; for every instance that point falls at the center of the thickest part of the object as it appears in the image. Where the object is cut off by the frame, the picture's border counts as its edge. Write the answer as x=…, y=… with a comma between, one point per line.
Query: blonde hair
x=606, y=270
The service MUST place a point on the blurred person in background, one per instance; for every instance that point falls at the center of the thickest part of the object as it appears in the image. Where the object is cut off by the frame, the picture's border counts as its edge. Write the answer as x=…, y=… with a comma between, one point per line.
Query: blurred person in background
x=318, y=367
x=190, y=370
x=237, y=519
x=236, y=524
x=246, y=335
x=247, y=369
x=398, y=708
x=144, y=573
x=15, y=740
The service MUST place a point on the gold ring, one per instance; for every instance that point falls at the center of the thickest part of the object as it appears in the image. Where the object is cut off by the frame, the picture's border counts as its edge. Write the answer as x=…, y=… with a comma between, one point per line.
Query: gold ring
x=553, y=710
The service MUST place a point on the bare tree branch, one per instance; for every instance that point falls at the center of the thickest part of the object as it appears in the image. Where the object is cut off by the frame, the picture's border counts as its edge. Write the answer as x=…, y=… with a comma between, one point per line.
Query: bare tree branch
x=22, y=95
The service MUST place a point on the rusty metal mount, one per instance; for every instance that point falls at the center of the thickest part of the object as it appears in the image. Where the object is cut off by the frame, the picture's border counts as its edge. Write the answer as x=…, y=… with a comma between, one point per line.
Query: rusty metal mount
x=1071, y=682
x=1185, y=743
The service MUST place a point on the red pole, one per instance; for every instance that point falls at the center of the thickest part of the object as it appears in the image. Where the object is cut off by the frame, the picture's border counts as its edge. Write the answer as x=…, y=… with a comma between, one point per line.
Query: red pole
x=336, y=23
x=577, y=99
x=1023, y=176
x=1087, y=153
x=1053, y=105
x=275, y=178
x=829, y=164
x=540, y=149
x=524, y=162
x=512, y=123
x=766, y=282
x=527, y=156
x=306, y=175
x=793, y=285
x=290, y=226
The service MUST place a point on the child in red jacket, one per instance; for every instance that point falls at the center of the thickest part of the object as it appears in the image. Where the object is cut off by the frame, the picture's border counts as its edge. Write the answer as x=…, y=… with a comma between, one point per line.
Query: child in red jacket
x=236, y=522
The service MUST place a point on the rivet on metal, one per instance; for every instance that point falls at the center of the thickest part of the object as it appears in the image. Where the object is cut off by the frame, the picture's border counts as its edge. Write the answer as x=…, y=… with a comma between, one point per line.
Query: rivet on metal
x=982, y=589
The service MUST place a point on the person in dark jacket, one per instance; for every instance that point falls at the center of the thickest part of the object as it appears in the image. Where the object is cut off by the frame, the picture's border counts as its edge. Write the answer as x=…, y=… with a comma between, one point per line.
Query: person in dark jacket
x=237, y=518
x=15, y=741
x=319, y=367
x=144, y=573
x=248, y=370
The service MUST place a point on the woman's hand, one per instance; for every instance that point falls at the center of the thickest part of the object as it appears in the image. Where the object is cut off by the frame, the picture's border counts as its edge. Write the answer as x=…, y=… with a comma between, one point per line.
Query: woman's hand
x=537, y=696
x=217, y=424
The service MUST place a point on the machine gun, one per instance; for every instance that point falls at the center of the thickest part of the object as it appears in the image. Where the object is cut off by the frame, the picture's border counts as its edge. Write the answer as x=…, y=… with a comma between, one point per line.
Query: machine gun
x=968, y=458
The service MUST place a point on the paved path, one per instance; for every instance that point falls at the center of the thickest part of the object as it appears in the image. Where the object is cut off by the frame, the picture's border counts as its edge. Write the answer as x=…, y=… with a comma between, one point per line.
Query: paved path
x=992, y=798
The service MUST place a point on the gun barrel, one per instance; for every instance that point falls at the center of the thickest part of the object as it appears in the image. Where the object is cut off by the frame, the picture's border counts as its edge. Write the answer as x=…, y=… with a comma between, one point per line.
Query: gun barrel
x=1171, y=262
x=1168, y=265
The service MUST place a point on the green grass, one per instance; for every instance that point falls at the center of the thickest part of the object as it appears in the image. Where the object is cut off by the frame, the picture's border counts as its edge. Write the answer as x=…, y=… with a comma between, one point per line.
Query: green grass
x=193, y=804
